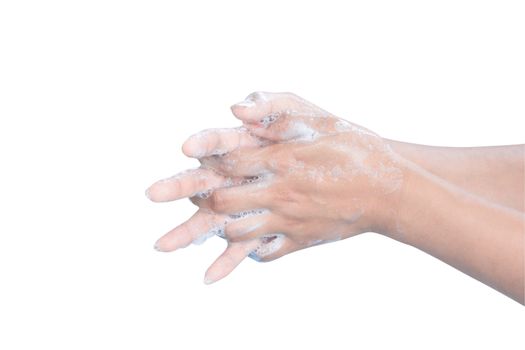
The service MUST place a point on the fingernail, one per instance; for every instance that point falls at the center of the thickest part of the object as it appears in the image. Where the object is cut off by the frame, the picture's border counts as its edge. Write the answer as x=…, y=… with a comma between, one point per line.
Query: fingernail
x=245, y=104
x=157, y=247
x=147, y=194
x=208, y=280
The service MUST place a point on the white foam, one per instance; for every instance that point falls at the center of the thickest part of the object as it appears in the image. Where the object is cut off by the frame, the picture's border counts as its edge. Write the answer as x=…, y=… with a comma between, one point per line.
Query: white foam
x=343, y=125
x=257, y=96
x=269, y=245
x=247, y=213
x=206, y=132
x=325, y=241
x=217, y=230
x=214, y=231
x=253, y=227
x=204, y=194
x=299, y=131
x=269, y=119
x=250, y=180
x=337, y=172
x=246, y=103
x=179, y=175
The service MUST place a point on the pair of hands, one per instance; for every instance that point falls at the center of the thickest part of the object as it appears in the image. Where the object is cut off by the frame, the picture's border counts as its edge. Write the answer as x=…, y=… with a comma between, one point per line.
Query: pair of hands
x=293, y=176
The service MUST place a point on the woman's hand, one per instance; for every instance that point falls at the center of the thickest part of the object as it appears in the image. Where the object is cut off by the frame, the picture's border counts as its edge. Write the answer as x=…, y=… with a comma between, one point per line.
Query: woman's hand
x=323, y=179
x=293, y=177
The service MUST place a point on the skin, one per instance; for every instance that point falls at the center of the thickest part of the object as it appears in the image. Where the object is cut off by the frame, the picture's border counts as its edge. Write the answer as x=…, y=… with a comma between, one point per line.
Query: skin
x=495, y=173
x=317, y=178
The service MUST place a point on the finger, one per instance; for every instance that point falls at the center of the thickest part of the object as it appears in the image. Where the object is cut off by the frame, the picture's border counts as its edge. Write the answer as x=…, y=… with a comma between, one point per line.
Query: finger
x=284, y=117
x=186, y=184
x=251, y=227
x=234, y=254
x=293, y=125
x=260, y=105
x=242, y=162
x=219, y=141
x=201, y=226
x=234, y=199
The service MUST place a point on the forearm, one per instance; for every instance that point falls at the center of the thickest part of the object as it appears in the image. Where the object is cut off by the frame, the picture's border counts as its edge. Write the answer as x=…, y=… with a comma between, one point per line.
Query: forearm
x=480, y=238
x=495, y=173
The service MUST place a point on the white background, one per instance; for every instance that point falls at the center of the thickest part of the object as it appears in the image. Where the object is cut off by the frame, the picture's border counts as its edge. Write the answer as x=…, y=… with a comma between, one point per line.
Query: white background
x=96, y=98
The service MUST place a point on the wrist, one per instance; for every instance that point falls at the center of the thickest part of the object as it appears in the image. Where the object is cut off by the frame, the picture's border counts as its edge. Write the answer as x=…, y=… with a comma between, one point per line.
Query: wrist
x=424, y=199
x=385, y=206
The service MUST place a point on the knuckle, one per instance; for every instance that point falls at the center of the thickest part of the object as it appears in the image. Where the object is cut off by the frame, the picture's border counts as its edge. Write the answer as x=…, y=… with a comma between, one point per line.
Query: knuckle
x=292, y=223
x=177, y=186
x=216, y=201
x=230, y=231
x=280, y=194
x=285, y=196
x=201, y=183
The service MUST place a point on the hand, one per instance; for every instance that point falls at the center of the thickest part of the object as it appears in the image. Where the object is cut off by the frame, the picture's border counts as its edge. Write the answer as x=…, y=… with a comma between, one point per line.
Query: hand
x=323, y=179
x=360, y=157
